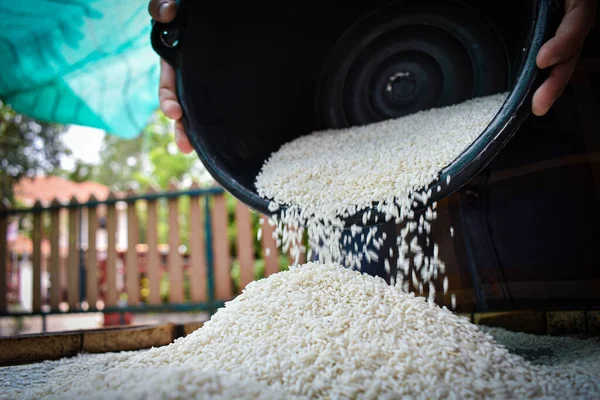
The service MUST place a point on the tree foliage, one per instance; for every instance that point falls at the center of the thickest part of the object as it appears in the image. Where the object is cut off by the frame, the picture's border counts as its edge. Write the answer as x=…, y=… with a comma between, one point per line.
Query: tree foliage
x=163, y=162
x=82, y=171
x=152, y=159
x=119, y=161
x=27, y=148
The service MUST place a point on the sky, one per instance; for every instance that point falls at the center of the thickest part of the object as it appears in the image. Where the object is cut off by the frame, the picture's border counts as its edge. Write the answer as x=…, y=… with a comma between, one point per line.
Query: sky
x=85, y=144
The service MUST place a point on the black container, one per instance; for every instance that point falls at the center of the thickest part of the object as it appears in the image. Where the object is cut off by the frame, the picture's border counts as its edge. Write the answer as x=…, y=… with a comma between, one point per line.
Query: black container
x=253, y=77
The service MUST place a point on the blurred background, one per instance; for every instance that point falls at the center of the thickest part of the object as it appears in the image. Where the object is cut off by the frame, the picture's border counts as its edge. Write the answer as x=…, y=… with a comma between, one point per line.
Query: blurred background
x=48, y=168
x=84, y=154
x=103, y=222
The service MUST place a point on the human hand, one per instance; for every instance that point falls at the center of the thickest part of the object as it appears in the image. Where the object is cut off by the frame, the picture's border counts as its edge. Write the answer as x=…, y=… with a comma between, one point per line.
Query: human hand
x=562, y=52
x=165, y=11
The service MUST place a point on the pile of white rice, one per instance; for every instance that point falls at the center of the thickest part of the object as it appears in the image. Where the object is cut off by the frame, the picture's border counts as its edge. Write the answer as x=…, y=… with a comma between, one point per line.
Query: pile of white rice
x=316, y=182
x=323, y=331
x=67, y=379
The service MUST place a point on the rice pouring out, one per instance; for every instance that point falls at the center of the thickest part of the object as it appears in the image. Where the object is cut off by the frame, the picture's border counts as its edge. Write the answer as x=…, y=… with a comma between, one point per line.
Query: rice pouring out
x=341, y=172
x=315, y=182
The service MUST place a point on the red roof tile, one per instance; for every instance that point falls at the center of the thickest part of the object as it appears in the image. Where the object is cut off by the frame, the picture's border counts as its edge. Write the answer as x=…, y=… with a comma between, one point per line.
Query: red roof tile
x=48, y=188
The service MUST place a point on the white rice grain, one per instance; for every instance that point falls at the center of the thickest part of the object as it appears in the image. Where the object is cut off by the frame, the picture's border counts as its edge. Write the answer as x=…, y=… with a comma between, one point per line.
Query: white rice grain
x=320, y=180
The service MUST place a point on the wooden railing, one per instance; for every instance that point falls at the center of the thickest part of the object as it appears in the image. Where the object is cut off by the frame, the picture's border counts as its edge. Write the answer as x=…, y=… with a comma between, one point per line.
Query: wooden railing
x=82, y=277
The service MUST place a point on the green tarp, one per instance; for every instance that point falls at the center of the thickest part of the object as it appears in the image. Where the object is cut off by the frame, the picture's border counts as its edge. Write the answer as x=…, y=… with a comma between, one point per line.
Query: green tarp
x=84, y=62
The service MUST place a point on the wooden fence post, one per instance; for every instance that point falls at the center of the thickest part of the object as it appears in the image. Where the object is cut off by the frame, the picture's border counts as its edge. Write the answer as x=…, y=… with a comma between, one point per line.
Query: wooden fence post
x=153, y=256
x=175, y=261
x=197, y=251
x=111, y=253
x=132, y=273
x=222, y=258
x=245, y=244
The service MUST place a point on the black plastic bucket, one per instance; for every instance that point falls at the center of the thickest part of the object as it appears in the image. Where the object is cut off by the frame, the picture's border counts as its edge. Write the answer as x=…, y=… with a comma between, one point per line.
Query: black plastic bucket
x=253, y=77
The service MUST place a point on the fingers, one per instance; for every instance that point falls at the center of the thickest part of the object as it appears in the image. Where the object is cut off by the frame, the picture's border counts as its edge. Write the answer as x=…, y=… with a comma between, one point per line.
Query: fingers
x=165, y=11
x=169, y=104
x=552, y=87
x=162, y=10
x=562, y=51
x=181, y=138
x=570, y=35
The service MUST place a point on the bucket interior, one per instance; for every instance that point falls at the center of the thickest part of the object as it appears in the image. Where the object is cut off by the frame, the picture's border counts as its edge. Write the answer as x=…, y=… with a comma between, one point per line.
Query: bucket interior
x=260, y=75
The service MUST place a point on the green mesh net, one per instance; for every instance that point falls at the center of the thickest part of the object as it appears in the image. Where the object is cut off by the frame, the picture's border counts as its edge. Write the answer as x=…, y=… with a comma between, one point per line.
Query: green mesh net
x=85, y=62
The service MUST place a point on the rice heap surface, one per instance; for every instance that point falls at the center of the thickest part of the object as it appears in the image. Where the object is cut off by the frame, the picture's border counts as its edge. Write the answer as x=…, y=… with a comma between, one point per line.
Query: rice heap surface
x=35, y=380
x=581, y=354
x=316, y=182
x=103, y=376
x=18, y=381
x=327, y=332
x=323, y=331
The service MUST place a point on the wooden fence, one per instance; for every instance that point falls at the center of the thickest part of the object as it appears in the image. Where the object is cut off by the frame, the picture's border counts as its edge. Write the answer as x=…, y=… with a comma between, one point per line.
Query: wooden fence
x=84, y=278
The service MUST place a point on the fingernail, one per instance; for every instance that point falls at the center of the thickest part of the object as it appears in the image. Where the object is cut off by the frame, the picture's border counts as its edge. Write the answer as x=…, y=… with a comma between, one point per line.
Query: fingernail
x=178, y=133
x=163, y=9
x=554, y=61
x=541, y=110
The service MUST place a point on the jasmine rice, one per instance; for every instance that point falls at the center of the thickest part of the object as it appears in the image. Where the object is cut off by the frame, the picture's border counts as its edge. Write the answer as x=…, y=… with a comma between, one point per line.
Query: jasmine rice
x=316, y=182
x=322, y=331
x=338, y=173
